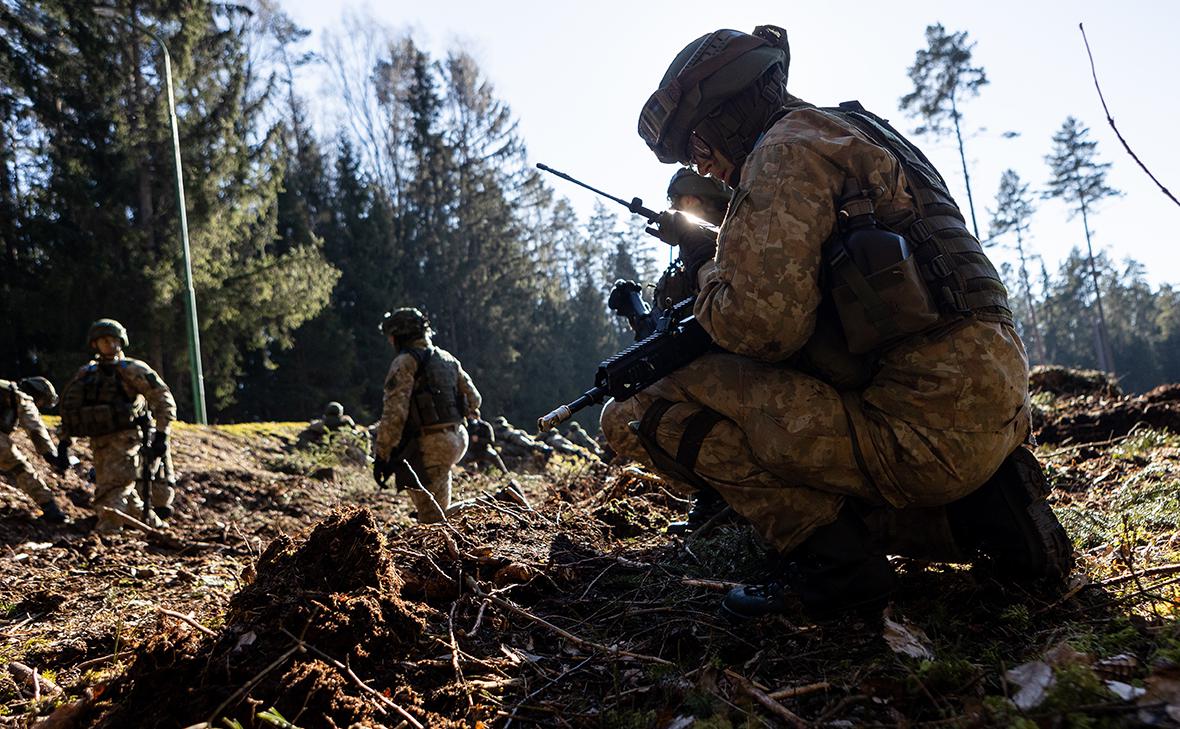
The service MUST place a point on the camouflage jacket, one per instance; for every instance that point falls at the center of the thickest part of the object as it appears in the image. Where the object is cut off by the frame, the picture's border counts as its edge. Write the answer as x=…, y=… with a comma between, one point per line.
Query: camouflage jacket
x=27, y=416
x=762, y=297
x=399, y=386
x=141, y=383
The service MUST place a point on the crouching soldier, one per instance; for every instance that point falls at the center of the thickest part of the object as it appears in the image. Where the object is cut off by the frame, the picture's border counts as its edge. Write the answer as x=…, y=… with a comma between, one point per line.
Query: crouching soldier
x=20, y=403
x=481, y=448
x=428, y=397
x=107, y=401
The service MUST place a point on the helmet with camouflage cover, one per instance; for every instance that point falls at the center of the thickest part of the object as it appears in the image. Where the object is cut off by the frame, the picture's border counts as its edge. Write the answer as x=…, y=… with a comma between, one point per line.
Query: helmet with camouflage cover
x=333, y=410
x=404, y=322
x=711, y=71
x=107, y=328
x=687, y=182
x=41, y=390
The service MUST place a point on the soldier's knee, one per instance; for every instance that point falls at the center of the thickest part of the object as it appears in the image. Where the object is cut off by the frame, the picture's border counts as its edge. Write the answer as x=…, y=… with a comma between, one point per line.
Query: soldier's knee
x=615, y=423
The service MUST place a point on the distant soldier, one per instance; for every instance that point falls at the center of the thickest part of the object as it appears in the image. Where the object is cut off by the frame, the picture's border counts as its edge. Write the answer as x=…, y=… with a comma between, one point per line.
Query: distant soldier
x=560, y=444
x=701, y=197
x=518, y=446
x=20, y=403
x=332, y=419
x=107, y=401
x=481, y=440
x=578, y=436
x=427, y=398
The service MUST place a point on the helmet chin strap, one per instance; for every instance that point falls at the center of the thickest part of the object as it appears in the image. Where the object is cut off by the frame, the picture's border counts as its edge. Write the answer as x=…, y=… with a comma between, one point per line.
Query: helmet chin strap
x=739, y=123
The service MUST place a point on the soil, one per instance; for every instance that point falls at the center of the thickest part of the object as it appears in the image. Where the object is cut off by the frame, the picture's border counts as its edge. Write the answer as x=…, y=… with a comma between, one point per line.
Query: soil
x=321, y=601
x=1084, y=406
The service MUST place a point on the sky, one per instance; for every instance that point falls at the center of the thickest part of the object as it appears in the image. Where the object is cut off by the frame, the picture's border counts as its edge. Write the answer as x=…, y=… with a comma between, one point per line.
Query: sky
x=577, y=73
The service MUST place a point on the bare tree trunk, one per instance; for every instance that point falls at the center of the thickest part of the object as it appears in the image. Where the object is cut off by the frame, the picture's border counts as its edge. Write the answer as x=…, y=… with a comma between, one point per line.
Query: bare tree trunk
x=1105, y=354
x=963, y=159
x=1038, y=343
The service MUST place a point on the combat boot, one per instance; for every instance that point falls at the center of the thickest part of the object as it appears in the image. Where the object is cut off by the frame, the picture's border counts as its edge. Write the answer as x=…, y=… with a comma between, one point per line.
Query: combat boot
x=838, y=568
x=706, y=504
x=1008, y=522
x=51, y=513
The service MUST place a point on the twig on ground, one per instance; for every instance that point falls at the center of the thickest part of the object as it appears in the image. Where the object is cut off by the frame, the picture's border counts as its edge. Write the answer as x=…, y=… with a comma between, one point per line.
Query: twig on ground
x=190, y=619
x=1166, y=569
x=715, y=585
x=507, y=605
x=252, y=683
x=29, y=677
x=707, y=527
x=534, y=694
x=791, y=718
x=796, y=691
x=93, y=662
x=455, y=656
x=478, y=619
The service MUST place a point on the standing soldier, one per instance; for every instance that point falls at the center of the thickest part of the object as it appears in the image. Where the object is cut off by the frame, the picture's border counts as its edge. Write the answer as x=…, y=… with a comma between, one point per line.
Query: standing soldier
x=20, y=403
x=428, y=396
x=865, y=351
x=108, y=401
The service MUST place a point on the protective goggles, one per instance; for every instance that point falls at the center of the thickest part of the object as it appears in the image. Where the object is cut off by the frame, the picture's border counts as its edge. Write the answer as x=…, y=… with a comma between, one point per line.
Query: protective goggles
x=654, y=120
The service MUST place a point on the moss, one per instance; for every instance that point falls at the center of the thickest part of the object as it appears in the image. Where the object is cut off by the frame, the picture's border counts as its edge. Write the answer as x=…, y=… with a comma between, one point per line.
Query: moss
x=946, y=676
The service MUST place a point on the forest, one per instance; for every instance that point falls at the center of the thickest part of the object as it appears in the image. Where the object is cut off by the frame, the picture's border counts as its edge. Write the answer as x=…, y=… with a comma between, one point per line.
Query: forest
x=302, y=238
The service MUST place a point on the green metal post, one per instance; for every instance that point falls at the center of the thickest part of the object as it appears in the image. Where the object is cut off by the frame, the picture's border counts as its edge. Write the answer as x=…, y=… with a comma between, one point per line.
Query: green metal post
x=194, y=334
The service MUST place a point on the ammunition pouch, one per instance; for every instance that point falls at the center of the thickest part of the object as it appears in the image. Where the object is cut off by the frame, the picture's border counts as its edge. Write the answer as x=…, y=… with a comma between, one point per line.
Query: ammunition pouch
x=436, y=398
x=928, y=274
x=96, y=404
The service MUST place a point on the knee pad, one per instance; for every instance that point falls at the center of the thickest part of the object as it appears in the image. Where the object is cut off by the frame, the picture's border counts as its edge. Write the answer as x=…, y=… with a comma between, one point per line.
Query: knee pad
x=682, y=465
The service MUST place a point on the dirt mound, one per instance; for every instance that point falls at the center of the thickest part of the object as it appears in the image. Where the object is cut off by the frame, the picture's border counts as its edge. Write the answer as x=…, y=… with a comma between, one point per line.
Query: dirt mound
x=1085, y=406
x=334, y=596
x=1065, y=381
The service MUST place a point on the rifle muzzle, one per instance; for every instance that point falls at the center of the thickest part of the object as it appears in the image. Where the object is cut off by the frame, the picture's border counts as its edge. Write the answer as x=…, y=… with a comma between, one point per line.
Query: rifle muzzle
x=554, y=419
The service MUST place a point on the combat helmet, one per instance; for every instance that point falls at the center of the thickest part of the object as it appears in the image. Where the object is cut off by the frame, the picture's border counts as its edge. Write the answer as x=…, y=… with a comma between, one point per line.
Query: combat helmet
x=333, y=410
x=107, y=328
x=687, y=182
x=708, y=72
x=404, y=322
x=41, y=390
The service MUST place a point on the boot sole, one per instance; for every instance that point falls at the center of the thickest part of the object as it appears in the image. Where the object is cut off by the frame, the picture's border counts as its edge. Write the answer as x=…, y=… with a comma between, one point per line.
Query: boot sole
x=1047, y=547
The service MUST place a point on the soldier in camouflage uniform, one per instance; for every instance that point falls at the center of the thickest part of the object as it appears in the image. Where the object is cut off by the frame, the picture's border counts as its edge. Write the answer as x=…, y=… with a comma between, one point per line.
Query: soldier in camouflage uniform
x=481, y=445
x=518, y=446
x=428, y=397
x=107, y=401
x=703, y=198
x=834, y=391
x=560, y=444
x=20, y=404
x=579, y=437
x=332, y=419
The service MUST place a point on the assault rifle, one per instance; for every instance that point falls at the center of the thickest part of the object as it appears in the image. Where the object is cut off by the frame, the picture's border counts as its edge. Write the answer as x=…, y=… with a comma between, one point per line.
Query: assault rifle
x=152, y=464
x=678, y=340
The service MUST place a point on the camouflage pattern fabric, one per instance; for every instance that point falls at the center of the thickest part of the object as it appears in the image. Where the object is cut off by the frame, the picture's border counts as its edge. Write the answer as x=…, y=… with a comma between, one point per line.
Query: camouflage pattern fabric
x=439, y=451
x=806, y=424
x=116, y=471
x=14, y=466
x=578, y=436
x=116, y=456
x=399, y=386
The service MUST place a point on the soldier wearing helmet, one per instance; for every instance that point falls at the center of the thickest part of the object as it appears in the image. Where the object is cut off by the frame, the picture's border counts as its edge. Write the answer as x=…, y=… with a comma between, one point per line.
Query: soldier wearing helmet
x=428, y=397
x=332, y=419
x=702, y=198
x=20, y=404
x=110, y=401
x=866, y=362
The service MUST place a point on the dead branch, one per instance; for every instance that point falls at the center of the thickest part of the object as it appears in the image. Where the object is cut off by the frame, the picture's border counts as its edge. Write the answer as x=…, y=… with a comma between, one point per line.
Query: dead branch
x=1110, y=120
x=30, y=678
x=190, y=619
x=1166, y=569
x=791, y=718
x=455, y=656
x=507, y=605
x=796, y=691
x=715, y=585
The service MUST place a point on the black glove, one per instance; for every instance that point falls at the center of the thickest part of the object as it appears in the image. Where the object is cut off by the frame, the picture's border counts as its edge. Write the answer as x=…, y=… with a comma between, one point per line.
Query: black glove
x=697, y=241
x=381, y=472
x=159, y=445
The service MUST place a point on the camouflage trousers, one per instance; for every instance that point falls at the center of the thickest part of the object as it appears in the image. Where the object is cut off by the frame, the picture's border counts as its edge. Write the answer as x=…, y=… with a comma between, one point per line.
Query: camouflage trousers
x=16, y=469
x=116, y=474
x=785, y=449
x=438, y=452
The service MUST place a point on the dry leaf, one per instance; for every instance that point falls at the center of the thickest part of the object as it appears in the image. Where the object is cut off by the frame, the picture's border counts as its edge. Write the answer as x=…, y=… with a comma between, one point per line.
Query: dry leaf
x=907, y=639
x=1033, y=680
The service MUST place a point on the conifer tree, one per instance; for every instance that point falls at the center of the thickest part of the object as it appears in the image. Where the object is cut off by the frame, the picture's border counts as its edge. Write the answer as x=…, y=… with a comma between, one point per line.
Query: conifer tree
x=1014, y=207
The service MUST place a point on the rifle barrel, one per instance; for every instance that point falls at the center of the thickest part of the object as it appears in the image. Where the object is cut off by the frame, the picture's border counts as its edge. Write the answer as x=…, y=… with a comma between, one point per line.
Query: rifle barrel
x=565, y=412
x=635, y=206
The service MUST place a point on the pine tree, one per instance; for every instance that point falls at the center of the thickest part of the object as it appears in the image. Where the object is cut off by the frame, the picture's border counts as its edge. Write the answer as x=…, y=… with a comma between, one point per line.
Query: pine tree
x=943, y=79
x=1014, y=207
x=1078, y=179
